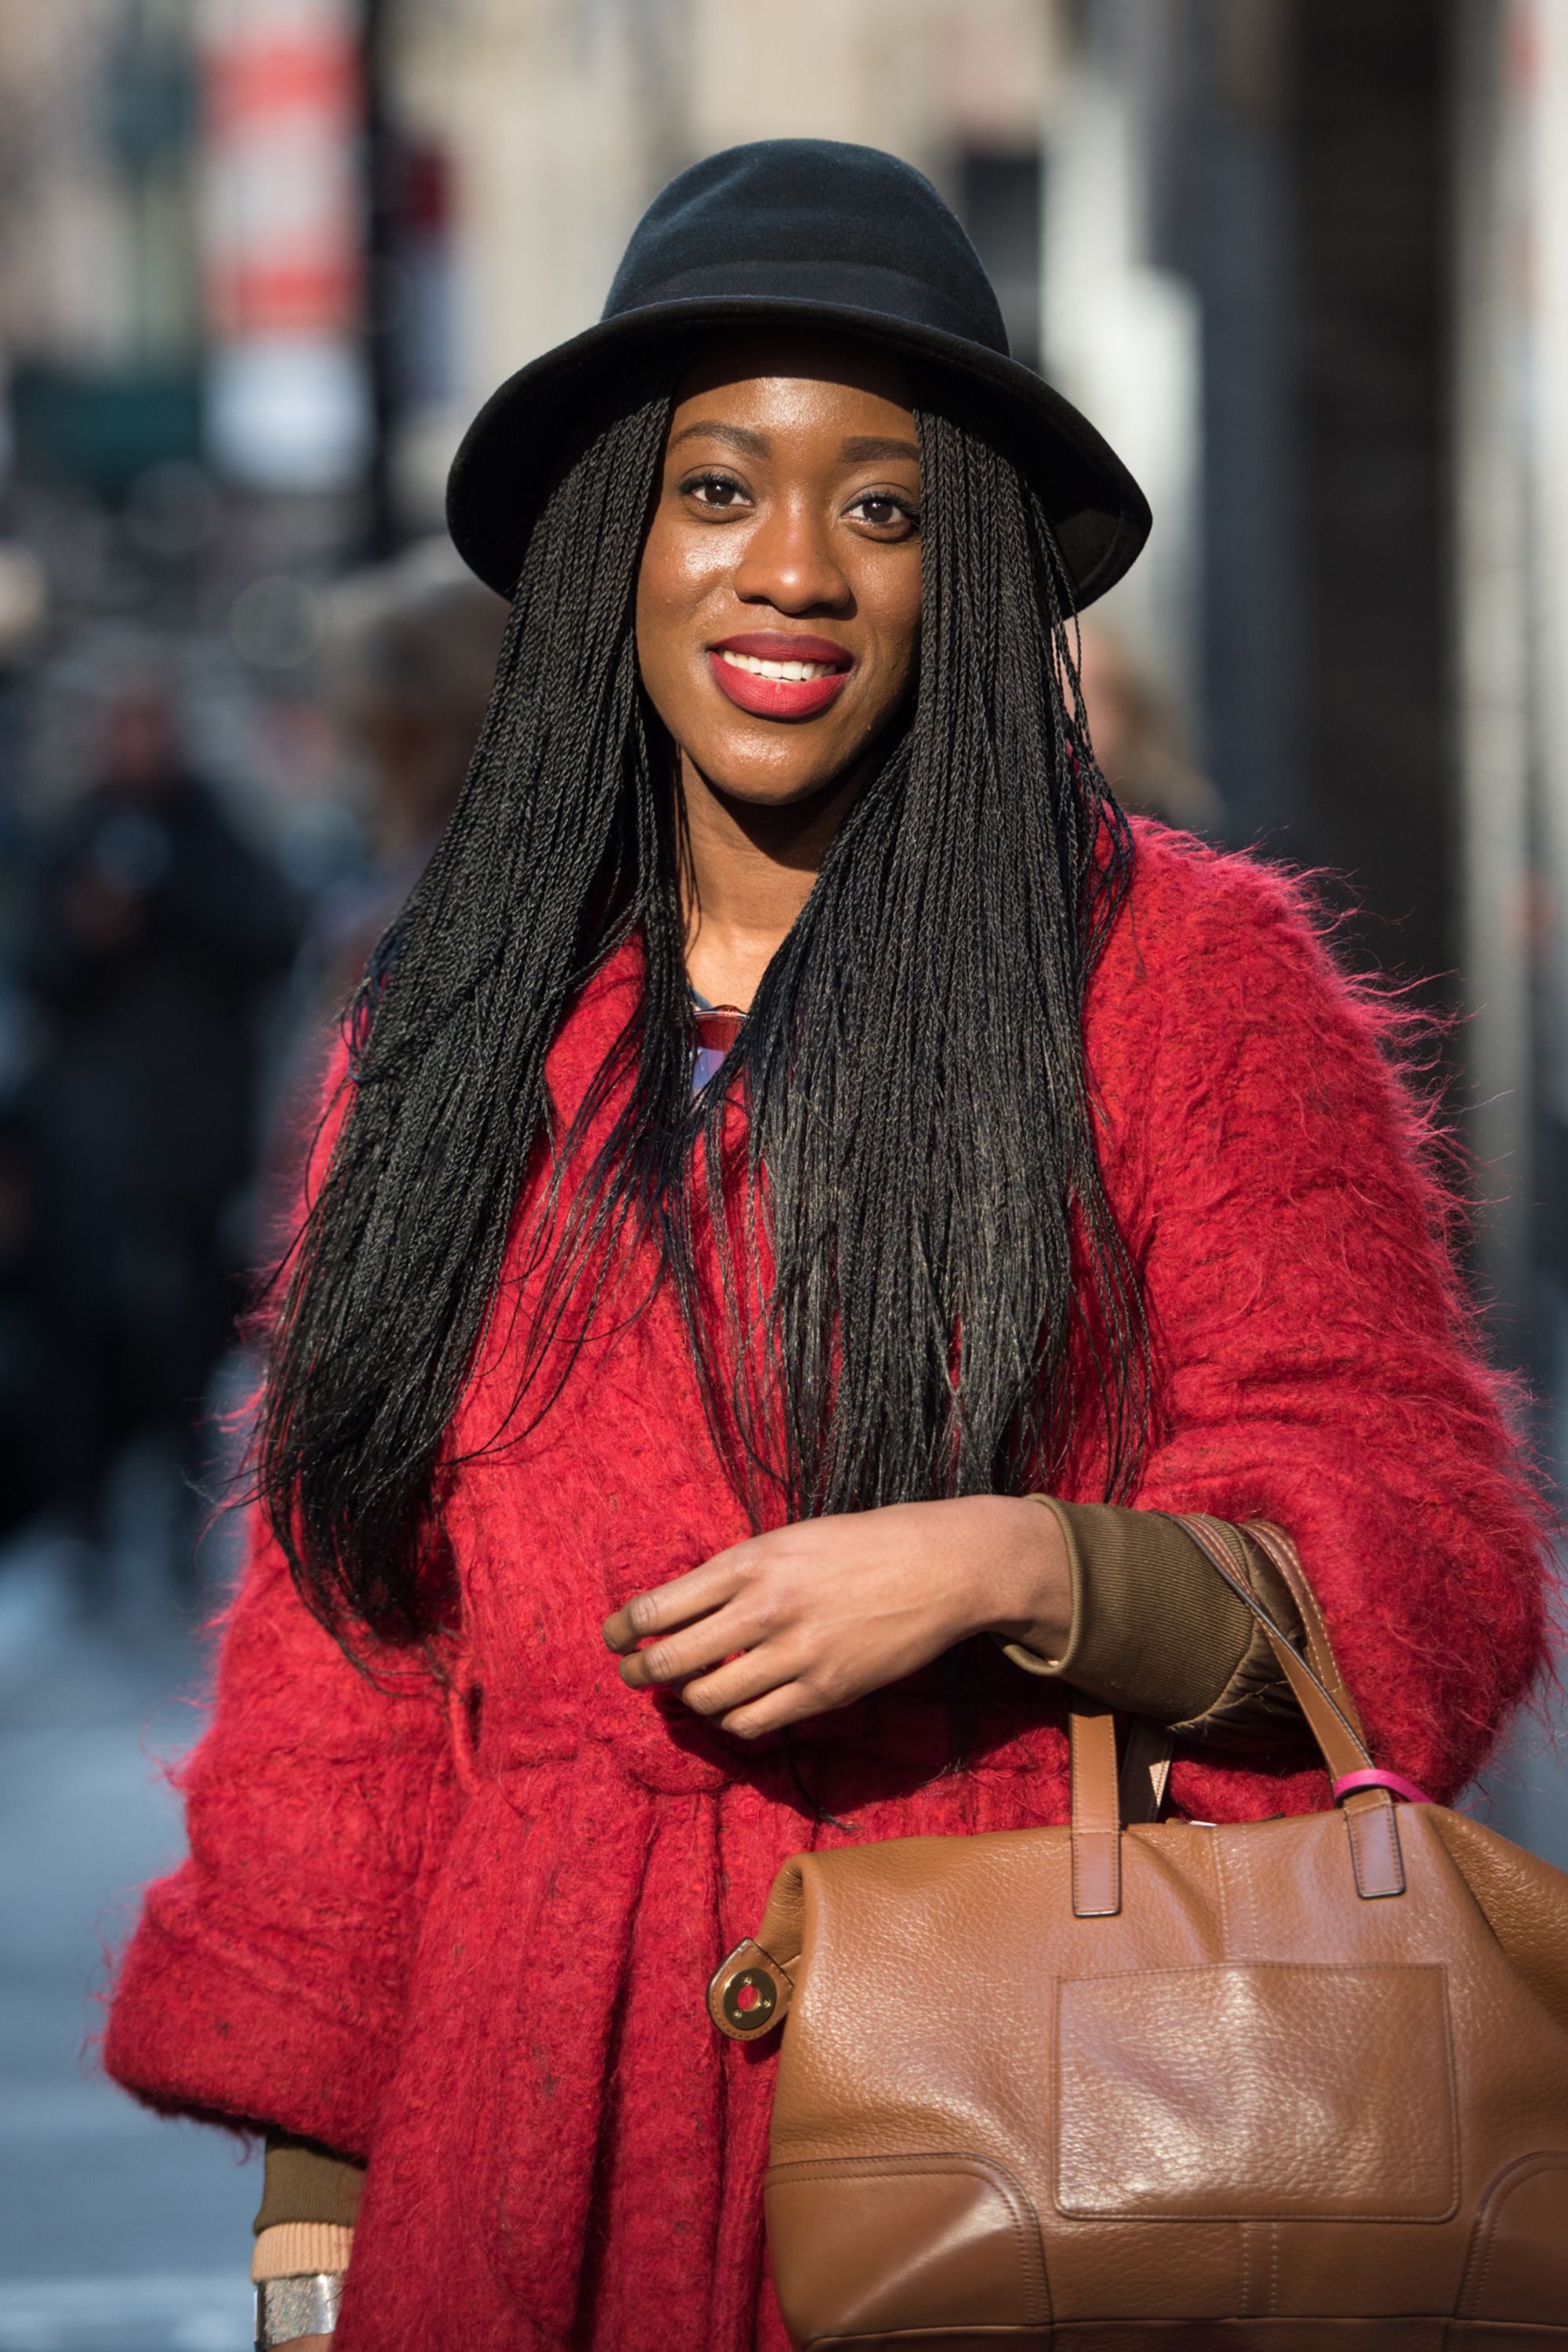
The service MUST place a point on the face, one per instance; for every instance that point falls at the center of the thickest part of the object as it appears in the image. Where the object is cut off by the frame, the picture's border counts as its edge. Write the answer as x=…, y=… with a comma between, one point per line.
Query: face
x=779, y=595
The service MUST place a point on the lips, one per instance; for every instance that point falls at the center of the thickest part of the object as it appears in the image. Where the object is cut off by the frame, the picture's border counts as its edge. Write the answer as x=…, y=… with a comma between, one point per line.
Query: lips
x=749, y=685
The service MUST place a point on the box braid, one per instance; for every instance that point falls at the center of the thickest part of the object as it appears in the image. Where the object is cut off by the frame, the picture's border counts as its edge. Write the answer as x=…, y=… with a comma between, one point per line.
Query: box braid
x=920, y=1173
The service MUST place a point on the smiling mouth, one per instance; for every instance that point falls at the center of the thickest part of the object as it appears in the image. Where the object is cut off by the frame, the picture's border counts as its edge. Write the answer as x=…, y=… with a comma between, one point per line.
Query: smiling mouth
x=785, y=670
x=766, y=675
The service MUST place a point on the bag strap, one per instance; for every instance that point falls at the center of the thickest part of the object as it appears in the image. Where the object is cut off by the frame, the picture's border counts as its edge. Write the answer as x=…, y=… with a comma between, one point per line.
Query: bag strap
x=1331, y=1717
x=1096, y=1814
x=1324, y=1699
x=1331, y=1714
x=1283, y=1557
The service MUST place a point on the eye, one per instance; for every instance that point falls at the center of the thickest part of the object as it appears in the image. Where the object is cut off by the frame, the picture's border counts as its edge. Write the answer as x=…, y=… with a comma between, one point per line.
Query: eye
x=888, y=513
x=721, y=493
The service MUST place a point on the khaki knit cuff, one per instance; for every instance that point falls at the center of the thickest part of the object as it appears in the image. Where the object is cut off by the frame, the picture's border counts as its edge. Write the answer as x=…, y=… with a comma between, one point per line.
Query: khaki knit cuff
x=1153, y=1630
x=300, y=2249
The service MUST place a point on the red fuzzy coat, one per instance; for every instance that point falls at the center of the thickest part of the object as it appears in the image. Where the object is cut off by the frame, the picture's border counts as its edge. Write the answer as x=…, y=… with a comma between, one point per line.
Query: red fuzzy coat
x=468, y=1936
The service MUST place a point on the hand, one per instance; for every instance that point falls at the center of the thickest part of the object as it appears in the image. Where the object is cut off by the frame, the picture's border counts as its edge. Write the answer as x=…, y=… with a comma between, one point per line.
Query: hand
x=811, y=1617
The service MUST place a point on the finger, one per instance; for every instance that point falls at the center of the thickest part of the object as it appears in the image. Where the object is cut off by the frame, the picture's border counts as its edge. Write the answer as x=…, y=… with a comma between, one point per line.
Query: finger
x=793, y=1702
x=738, y=1681
x=666, y=1606
x=673, y=1658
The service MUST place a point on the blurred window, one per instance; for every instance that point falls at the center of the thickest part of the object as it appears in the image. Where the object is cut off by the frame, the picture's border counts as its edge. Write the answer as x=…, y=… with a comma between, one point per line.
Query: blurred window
x=1000, y=194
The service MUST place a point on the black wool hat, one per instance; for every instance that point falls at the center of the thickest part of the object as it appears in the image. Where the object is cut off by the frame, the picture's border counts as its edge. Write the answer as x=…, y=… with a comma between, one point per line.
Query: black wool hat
x=822, y=234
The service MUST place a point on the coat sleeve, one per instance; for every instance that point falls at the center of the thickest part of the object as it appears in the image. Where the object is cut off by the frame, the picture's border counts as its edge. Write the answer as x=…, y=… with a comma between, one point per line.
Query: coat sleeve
x=1316, y=1362
x=265, y=1981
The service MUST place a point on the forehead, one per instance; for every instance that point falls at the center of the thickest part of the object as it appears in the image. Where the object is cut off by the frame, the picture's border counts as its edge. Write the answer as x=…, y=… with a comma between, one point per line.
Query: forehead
x=754, y=377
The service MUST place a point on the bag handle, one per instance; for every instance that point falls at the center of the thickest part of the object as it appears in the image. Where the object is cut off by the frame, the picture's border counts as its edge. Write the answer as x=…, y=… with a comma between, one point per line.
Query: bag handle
x=1320, y=1689
x=1282, y=1555
x=1331, y=1717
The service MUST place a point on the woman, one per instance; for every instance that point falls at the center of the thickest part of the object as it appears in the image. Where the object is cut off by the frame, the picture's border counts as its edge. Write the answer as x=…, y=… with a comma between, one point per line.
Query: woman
x=1036, y=1176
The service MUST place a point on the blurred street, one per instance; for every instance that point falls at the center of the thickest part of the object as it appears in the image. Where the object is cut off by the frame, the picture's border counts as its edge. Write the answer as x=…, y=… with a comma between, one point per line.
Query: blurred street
x=118, y=2233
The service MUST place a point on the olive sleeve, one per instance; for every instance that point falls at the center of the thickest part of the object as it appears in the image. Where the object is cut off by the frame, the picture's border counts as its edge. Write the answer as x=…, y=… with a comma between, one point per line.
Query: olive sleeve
x=310, y=2203
x=1155, y=1632
x=304, y=2182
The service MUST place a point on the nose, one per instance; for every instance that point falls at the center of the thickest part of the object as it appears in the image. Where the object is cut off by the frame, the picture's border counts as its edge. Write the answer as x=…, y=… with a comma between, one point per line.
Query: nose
x=790, y=563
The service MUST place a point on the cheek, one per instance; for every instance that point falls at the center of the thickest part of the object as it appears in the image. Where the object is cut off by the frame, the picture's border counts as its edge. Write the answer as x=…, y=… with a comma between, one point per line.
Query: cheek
x=673, y=582
x=661, y=608
x=897, y=621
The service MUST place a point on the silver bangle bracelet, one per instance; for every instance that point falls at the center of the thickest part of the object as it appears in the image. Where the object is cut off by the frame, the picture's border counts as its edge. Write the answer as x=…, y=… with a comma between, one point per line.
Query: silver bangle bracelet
x=288, y=2308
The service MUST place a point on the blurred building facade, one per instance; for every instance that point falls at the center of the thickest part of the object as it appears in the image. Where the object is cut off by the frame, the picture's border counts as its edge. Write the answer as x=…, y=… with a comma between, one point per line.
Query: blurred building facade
x=100, y=316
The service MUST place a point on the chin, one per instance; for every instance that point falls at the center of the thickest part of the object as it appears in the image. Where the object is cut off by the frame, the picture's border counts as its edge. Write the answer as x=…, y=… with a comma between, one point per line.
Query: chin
x=744, y=773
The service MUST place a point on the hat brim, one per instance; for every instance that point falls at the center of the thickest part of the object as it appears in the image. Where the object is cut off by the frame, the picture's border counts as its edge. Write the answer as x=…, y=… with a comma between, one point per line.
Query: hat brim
x=508, y=457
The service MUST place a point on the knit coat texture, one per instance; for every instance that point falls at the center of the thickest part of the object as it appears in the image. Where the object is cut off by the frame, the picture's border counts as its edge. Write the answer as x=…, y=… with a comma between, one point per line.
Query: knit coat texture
x=461, y=1928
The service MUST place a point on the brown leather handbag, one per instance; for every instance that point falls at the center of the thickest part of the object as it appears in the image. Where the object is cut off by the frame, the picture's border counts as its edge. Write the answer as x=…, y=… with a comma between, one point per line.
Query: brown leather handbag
x=1293, y=2086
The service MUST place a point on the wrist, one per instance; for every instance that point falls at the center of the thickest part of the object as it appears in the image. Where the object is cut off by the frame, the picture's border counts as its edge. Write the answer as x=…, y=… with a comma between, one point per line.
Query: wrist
x=1024, y=1584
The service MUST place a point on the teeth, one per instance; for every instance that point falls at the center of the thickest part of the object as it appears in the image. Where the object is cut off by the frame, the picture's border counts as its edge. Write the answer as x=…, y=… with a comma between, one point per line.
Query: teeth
x=786, y=669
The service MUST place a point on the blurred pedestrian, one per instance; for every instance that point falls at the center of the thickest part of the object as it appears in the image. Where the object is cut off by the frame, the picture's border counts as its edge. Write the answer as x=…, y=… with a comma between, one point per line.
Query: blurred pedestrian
x=156, y=931
x=407, y=660
x=1138, y=737
x=25, y=1420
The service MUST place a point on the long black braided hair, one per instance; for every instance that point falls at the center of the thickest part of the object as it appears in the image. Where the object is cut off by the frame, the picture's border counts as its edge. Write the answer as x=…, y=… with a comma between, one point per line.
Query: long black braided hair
x=935, y=1222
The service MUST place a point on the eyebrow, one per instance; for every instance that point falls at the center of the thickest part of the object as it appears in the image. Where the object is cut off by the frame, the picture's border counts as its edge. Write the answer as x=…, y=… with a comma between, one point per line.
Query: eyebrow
x=752, y=445
x=869, y=447
x=864, y=449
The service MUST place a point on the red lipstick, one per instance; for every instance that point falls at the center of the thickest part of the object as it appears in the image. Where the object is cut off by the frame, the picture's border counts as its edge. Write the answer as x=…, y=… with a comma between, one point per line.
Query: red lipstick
x=780, y=697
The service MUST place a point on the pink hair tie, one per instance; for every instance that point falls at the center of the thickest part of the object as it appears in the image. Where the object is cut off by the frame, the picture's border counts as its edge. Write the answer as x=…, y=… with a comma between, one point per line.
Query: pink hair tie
x=1371, y=1778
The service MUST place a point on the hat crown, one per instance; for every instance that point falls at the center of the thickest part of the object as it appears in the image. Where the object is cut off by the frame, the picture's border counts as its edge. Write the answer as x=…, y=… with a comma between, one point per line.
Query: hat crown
x=816, y=236
x=816, y=220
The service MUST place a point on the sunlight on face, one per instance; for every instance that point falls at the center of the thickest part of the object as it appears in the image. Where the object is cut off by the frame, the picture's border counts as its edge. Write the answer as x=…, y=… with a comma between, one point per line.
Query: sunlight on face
x=779, y=595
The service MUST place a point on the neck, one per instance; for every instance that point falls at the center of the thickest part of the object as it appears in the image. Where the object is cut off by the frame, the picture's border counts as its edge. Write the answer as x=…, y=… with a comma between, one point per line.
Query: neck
x=749, y=868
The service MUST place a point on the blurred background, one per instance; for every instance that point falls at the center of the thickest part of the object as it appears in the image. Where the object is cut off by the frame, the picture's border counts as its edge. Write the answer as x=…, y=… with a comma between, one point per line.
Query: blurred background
x=1306, y=263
